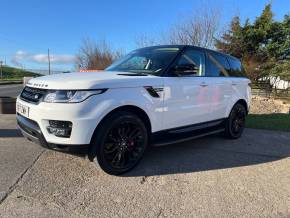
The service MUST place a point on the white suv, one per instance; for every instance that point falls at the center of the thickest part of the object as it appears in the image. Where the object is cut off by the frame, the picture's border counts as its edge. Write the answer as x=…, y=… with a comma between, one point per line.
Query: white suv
x=154, y=95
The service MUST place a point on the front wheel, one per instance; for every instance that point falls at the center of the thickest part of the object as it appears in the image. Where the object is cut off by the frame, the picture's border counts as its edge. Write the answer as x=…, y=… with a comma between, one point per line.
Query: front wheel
x=235, y=123
x=120, y=142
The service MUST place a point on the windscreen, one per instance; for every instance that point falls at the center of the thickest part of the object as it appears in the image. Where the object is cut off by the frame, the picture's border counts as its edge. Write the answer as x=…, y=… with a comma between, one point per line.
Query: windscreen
x=148, y=61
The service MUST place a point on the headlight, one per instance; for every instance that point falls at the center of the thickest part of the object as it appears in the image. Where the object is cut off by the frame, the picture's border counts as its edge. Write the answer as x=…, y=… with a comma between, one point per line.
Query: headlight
x=70, y=96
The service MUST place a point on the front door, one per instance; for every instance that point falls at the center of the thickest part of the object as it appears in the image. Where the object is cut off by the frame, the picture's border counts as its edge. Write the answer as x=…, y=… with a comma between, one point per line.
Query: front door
x=186, y=92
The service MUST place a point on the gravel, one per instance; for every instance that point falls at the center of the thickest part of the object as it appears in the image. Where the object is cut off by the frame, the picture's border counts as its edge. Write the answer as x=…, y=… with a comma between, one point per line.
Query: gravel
x=260, y=105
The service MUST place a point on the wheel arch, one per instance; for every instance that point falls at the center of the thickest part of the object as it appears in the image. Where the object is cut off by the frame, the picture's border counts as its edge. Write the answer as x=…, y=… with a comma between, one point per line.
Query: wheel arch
x=239, y=101
x=128, y=108
x=244, y=103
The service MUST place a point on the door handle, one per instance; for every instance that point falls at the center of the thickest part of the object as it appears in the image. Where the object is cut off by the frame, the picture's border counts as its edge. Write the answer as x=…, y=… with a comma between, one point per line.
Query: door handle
x=203, y=84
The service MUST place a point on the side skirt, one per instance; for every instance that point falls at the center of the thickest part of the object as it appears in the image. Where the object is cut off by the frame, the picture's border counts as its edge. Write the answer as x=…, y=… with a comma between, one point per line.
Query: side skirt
x=187, y=133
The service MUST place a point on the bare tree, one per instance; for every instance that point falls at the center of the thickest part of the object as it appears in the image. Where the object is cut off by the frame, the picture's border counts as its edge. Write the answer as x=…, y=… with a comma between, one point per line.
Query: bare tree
x=199, y=29
x=95, y=56
x=144, y=41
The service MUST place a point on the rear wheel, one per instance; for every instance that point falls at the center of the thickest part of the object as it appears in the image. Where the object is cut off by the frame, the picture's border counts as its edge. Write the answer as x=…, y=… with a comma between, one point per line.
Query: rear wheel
x=120, y=142
x=235, y=123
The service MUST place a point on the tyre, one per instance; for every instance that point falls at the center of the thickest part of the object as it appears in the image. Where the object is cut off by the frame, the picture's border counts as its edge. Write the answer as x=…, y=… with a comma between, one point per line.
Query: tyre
x=235, y=123
x=120, y=142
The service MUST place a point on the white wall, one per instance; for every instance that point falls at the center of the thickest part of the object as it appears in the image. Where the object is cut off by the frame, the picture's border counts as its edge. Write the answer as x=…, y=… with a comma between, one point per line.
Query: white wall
x=276, y=82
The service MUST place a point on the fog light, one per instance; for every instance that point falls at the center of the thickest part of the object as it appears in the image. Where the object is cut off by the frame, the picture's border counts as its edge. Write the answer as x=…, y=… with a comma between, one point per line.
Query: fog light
x=60, y=128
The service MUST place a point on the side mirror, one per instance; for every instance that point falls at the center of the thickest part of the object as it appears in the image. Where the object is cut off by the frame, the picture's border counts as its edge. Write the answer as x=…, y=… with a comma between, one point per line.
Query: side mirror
x=186, y=69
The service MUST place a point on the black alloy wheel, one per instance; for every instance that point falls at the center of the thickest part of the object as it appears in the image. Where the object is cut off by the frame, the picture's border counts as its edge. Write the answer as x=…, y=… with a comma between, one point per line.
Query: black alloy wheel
x=121, y=142
x=235, y=123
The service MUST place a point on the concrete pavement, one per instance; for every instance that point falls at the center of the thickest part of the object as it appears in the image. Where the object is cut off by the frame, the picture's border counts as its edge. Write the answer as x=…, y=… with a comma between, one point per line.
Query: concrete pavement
x=16, y=154
x=208, y=177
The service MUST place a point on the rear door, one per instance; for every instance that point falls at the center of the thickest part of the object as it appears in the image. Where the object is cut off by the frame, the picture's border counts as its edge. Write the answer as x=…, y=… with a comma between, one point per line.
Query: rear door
x=186, y=96
x=217, y=73
x=240, y=84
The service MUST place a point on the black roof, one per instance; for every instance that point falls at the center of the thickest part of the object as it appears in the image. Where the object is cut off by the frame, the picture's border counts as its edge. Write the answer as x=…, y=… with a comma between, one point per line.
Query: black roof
x=181, y=47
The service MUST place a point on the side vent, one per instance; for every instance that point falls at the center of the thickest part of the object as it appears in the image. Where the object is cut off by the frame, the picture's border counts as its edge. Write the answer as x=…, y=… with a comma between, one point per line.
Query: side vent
x=154, y=92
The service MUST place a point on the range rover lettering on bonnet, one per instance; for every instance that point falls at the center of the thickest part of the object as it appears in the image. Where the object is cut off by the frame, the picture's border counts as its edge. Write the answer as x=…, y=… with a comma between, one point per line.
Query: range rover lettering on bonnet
x=38, y=85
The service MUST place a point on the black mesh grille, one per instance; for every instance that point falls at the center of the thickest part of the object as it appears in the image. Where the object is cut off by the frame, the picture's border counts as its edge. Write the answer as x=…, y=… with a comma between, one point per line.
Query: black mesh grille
x=32, y=94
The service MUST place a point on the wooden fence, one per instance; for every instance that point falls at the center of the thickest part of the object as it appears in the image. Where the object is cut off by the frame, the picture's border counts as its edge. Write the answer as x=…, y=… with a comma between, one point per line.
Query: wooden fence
x=266, y=90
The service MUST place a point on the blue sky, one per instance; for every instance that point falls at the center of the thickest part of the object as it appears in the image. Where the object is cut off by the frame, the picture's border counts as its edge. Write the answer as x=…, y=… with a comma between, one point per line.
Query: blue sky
x=30, y=27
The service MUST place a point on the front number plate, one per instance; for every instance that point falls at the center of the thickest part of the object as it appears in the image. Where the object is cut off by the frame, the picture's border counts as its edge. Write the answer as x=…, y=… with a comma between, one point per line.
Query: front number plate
x=22, y=109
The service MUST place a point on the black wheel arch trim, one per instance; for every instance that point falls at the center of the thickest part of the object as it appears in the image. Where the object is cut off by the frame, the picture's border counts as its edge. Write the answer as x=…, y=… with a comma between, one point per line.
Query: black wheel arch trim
x=244, y=103
x=126, y=108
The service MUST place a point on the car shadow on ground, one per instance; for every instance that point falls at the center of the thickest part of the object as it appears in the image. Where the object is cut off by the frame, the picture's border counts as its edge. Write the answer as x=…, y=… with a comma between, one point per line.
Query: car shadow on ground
x=8, y=133
x=209, y=153
x=212, y=153
x=204, y=154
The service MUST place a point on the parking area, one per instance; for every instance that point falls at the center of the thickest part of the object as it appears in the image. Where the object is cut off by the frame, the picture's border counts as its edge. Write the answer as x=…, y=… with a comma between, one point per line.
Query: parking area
x=207, y=177
x=10, y=90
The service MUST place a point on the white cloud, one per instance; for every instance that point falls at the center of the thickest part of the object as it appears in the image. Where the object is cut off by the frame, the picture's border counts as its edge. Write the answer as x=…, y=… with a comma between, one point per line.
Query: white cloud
x=22, y=56
x=18, y=58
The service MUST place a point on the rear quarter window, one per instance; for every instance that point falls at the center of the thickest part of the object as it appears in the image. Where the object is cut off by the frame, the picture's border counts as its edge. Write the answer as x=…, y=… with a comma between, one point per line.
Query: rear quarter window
x=217, y=65
x=237, y=69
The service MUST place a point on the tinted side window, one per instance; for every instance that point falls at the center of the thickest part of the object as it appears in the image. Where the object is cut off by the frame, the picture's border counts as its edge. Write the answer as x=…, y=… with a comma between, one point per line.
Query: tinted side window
x=236, y=68
x=217, y=65
x=193, y=58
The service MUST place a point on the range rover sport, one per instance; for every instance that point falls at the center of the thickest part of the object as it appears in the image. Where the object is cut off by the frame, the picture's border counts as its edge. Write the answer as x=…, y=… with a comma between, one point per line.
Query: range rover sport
x=152, y=96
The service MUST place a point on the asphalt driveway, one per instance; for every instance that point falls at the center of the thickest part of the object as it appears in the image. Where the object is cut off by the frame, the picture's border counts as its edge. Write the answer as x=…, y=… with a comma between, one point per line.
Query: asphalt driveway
x=208, y=177
x=10, y=90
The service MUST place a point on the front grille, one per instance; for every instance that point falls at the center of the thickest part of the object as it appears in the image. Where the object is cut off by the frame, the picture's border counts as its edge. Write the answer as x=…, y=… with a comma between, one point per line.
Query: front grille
x=33, y=95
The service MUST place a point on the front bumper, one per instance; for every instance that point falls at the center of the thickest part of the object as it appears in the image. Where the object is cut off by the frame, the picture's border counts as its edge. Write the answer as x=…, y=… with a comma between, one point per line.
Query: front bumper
x=83, y=120
x=31, y=131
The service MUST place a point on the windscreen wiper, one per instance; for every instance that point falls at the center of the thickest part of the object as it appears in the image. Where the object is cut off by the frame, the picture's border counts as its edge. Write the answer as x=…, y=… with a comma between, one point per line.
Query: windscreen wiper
x=132, y=74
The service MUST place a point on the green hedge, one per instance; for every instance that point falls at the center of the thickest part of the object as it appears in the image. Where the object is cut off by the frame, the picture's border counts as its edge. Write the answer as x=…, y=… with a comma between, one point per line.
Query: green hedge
x=9, y=73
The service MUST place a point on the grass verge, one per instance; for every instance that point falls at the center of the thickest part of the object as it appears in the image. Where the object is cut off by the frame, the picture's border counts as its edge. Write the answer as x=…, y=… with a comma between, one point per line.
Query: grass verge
x=269, y=121
x=12, y=73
